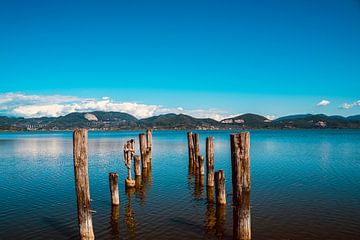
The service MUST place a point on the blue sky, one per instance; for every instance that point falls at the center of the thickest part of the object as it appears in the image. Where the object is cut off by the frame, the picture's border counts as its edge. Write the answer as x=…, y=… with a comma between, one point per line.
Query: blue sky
x=219, y=57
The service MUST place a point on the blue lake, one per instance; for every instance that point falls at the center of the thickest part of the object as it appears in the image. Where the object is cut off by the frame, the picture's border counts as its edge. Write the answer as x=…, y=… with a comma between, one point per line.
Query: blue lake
x=305, y=184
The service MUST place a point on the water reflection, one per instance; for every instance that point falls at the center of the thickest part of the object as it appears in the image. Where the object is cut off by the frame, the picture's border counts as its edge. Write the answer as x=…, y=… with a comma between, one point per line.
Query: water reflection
x=210, y=220
x=241, y=219
x=114, y=221
x=143, y=184
x=130, y=222
x=220, y=221
x=198, y=186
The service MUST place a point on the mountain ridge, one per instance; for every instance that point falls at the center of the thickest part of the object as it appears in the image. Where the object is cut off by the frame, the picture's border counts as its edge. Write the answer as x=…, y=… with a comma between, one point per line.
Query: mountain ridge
x=102, y=120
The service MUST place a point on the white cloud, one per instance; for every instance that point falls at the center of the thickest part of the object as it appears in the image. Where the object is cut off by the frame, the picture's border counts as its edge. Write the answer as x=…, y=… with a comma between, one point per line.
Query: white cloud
x=19, y=104
x=323, y=103
x=350, y=105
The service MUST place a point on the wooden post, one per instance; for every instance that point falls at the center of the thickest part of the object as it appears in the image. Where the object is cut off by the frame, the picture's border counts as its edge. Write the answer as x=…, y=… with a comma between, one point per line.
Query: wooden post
x=142, y=143
x=196, y=150
x=210, y=194
x=114, y=188
x=137, y=167
x=191, y=149
x=210, y=161
x=240, y=162
x=80, y=154
x=220, y=187
x=149, y=144
x=201, y=165
x=128, y=154
x=242, y=218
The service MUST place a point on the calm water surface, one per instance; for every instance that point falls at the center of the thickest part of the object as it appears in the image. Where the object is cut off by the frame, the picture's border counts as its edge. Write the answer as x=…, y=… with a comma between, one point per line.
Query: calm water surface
x=305, y=185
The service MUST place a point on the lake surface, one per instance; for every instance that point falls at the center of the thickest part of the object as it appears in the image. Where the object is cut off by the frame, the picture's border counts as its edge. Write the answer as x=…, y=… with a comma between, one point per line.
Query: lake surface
x=305, y=184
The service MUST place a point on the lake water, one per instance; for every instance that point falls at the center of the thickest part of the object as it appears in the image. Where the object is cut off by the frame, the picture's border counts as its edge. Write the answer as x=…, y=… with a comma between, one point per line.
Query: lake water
x=305, y=184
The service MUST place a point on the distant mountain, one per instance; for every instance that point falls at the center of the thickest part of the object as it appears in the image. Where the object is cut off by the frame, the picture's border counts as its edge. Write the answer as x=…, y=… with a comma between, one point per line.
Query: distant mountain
x=248, y=120
x=178, y=121
x=354, y=118
x=118, y=120
x=314, y=121
x=297, y=116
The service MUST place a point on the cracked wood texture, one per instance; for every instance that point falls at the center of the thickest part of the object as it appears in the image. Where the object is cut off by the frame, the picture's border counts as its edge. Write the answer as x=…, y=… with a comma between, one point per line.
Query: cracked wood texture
x=80, y=154
x=240, y=163
x=210, y=161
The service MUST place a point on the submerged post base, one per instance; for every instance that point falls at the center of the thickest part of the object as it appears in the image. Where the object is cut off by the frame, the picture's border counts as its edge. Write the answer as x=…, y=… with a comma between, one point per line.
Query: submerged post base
x=129, y=183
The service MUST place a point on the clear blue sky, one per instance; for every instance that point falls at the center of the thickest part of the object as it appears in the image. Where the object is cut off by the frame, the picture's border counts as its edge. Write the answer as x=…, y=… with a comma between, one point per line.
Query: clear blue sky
x=268, y=57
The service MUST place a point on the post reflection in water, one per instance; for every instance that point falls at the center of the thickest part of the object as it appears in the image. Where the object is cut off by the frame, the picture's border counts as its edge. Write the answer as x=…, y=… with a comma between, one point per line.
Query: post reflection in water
x=210, y=218
x=130, y=222
x=143, y=184
x=114, y=221
x=220, y=220
x=199, y=186
x=242, y=218
x=215, y=217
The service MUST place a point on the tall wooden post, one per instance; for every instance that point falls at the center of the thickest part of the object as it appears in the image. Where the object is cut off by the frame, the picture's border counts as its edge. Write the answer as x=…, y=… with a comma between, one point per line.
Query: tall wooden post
x=242, y=218
x=114, y=188
x=191, y=149
x=137, y=167
x=142, y=142
x=210, y=161
x=240, y=162
x=149, y=144
x=220, y=187
x=197, y=150
x=201, y=165
x=80, y=155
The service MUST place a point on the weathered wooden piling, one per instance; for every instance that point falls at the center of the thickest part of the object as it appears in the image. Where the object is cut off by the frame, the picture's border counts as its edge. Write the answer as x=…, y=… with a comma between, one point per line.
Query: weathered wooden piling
x=196, y=150
x=240, y=162
x=191, y=149
x=137, y=167
x=242, y=218
x=128, y=155
x=201, y=165
x=80, y=155
x=143, y=152
x=114, y=188
x=210, y=161
x=220, y=187
x=210, y=194
x=149, y=145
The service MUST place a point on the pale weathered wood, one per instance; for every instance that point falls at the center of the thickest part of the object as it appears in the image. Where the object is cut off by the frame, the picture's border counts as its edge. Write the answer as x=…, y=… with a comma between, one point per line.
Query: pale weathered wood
x=242, y=218
x=191, y=149
x=114, y=188
x=240, y=162
x=220, y=187
x=201, y=165
x=149, y=145
x=210, y=161
x=137, y=167
x=143, y=152
x=196, y=150
x=129, y=151
x=80, y=155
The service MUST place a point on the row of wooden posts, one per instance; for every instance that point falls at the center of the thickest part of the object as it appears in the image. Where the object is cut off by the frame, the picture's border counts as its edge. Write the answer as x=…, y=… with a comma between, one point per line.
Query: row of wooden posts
x=240, y=166
x=80, y=155
x=240, y=162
